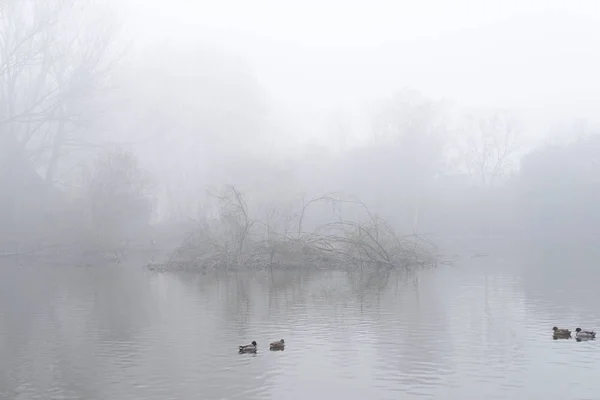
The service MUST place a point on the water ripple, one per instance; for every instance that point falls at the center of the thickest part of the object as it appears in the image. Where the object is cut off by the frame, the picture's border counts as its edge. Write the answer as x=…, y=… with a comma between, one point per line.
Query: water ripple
x=120, y=333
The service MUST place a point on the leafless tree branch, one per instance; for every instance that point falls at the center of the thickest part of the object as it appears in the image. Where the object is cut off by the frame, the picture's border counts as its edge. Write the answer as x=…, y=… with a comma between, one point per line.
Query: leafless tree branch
x=336, y=244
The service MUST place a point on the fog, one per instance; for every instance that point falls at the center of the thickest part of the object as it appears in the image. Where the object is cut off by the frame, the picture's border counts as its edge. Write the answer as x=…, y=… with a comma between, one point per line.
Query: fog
x=406, y=192
x=531, y=56
x=445, y=119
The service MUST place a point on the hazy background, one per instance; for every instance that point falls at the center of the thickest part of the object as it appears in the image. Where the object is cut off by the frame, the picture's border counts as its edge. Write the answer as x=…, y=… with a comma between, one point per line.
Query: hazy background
x=470, y=127
x=318, y=59
x=446, y=117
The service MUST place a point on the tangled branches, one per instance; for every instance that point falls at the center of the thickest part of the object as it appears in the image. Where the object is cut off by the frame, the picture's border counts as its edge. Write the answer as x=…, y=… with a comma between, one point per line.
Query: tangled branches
x=234, y=239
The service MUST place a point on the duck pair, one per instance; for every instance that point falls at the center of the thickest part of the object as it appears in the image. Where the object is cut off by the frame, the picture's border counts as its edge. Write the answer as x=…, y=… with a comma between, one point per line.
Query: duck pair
x=580, y=333
x=252, y=347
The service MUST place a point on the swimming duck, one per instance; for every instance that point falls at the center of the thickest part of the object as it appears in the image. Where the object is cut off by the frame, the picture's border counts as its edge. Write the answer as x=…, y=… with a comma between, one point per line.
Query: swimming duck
x=249, y=348
x=561, y=333
x=585, y=334
x=279, y=345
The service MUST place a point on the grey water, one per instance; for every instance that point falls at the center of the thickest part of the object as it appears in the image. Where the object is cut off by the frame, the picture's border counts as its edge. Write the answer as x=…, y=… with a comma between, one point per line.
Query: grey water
x=477, y=329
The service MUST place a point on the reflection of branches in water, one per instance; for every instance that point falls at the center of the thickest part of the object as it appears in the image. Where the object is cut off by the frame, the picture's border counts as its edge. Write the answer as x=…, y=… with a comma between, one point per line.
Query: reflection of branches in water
x=241, y=303
x=234, y=294
x=77, y=307
x=234, y=239
x=369, y=280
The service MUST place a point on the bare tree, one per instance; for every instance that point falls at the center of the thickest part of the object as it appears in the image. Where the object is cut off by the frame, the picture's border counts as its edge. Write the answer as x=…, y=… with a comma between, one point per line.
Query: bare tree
x=413, y=129
x=342, y=243
x=488, y=146
x=118, y=195
x=54, y=58
x=331, y=198
x=234, y=211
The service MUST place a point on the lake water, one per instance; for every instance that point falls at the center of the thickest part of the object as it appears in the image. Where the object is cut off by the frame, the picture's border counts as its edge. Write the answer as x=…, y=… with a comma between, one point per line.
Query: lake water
x=480, y=329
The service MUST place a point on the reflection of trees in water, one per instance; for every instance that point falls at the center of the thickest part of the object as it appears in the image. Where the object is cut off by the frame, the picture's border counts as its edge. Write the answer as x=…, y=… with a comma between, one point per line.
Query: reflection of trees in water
x=58, y=325
x=406, y=338
x=23, y=298
x=375, y=281
x=472, y=313
x=240, y=296
x=98, y=327
x=559, y=278
x=421, y=329
x=209, y=316
x=369, y=280
x=288, y=289
x=288, y=297
x=445, y=322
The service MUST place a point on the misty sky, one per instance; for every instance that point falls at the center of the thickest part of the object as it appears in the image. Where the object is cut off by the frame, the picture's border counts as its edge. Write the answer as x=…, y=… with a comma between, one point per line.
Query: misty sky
x=319, y=59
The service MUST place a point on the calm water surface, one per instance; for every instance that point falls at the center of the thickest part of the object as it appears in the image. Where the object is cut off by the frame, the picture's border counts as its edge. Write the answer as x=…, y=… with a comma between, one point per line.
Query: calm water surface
x=477, y=330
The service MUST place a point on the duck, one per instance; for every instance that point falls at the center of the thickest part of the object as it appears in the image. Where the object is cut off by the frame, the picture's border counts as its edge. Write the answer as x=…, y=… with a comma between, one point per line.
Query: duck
x=561, y=333
x=585, y=334
x=248, y=348
x=278, y=345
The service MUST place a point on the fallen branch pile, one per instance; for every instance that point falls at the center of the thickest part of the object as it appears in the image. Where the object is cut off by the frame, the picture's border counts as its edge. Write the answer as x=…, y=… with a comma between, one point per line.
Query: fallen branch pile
x=235, y=240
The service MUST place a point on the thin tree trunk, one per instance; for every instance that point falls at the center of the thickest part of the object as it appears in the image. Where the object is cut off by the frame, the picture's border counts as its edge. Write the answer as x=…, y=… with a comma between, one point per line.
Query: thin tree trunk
x=56, y=149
